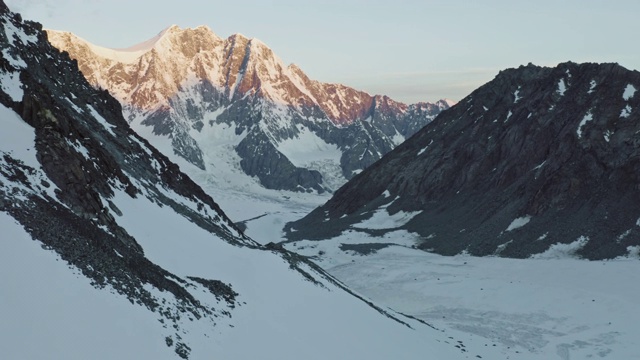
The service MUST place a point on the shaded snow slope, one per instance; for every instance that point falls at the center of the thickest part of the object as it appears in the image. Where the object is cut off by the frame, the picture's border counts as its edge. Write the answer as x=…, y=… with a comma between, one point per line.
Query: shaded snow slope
x=46, y=302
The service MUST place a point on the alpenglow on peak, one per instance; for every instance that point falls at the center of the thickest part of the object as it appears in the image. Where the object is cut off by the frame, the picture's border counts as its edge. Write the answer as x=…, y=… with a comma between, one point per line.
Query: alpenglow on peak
x=183, y=82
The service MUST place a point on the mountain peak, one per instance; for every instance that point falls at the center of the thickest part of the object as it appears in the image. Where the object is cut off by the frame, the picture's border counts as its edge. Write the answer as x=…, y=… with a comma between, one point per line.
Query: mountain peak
x=258, y=43
x=170, y=37
x=449, y=102
x=172, y=27
x=191, y=79
x=185, y=51
x=175, y=36
x=149, y=44
x=238, y=36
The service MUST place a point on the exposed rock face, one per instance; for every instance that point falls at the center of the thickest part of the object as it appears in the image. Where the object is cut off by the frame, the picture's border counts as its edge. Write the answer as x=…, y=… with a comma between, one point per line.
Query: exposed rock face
x=185, y=81
x=536, y=157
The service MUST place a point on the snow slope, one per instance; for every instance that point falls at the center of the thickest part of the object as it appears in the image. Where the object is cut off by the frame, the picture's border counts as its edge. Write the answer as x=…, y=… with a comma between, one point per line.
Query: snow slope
x=242, y=197
x=280, y=316
x=276, y=304
x=50, y=311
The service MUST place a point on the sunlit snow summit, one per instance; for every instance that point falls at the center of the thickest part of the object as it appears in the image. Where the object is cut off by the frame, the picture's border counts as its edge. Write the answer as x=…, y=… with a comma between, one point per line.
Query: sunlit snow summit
x=210, y=100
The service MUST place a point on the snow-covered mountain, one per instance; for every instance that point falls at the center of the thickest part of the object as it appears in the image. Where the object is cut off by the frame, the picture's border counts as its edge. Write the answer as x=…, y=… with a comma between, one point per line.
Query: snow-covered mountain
x=537, y=160
x=207, y=99
x=108, y=250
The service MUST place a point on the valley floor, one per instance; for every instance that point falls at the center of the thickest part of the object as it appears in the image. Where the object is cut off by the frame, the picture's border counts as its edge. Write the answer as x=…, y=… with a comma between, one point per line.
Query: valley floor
x=553, y=308
x=533, y=309
x=547, y=308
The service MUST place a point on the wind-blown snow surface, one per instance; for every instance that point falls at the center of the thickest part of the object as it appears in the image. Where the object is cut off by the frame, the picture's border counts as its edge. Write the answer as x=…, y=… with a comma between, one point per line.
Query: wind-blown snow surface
x=546, y=309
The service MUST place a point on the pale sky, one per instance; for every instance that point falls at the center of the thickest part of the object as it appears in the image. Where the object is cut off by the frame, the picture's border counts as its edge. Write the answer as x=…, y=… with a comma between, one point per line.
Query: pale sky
x=410, y=50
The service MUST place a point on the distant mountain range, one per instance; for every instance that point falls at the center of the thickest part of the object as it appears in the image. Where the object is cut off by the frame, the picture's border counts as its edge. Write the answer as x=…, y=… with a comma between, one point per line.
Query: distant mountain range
x=208, y=99
x=539, y=159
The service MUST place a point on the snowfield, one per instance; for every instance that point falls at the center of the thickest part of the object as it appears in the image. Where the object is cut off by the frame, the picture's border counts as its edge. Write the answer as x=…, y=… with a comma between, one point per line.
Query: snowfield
x=558, y=307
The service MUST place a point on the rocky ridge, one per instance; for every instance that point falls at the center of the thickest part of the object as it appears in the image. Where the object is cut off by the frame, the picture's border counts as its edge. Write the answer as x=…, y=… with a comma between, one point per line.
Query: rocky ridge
x=185, y=81
x=539, y=160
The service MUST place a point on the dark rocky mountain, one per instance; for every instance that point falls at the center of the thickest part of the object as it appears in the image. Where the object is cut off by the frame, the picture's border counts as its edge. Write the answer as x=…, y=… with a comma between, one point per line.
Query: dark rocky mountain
x=536, y=157
x=186, y=85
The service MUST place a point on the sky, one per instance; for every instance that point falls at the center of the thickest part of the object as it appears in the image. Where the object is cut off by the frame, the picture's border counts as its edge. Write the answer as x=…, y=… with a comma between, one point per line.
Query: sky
x=409, y=50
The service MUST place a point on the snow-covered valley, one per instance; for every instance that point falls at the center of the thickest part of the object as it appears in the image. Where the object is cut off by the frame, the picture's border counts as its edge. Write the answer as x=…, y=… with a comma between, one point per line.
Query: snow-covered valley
x=109, y=250
x=545, y=308
x=51, y=309
x=528, y=308
x=491, y=307
x=548, y=308
x=562, y=308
